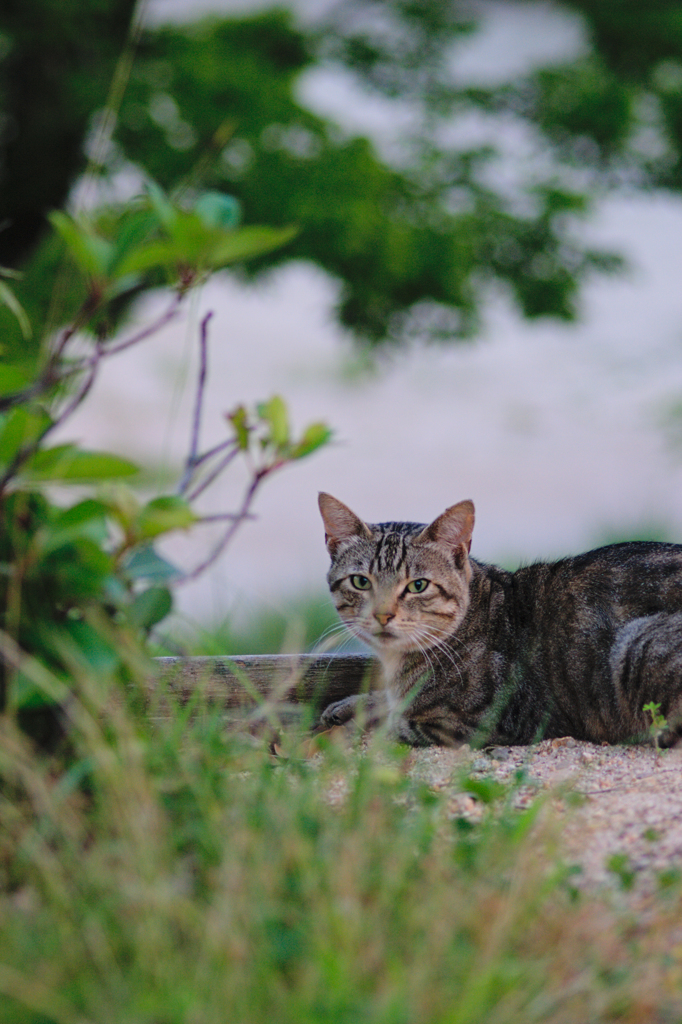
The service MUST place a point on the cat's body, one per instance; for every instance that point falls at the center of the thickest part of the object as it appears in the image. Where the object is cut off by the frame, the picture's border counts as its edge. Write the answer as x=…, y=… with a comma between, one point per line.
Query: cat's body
x=473, y=652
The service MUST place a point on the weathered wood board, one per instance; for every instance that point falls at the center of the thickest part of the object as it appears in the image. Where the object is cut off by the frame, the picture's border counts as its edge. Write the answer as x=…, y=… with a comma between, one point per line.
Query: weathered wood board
x=240, y=682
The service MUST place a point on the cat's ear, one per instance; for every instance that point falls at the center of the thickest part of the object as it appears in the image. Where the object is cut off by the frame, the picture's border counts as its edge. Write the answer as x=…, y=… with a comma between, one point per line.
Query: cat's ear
x=339, y=522
x=453, y=528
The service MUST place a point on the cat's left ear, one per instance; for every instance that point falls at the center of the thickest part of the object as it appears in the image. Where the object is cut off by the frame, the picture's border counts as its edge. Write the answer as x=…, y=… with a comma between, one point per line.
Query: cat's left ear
x=453, y=528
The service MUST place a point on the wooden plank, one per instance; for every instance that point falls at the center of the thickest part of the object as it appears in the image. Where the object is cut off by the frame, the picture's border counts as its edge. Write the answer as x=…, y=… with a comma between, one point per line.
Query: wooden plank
x=290, y=678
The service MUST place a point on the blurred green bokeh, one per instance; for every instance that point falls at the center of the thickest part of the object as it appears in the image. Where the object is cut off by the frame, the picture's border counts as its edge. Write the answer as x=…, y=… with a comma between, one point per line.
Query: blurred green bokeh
x=308, y=623
x=414, y=240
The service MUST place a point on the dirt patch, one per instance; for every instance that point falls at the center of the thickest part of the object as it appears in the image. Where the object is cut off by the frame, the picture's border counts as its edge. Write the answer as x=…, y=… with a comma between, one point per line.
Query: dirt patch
x=624, y=831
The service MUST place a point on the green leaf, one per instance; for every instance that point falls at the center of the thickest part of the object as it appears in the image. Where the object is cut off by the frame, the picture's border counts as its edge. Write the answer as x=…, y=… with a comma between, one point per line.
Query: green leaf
x=80, y=514
x=193, y=243
x=166, y=254
x=218, y=210
x=192, y=234
x=73, y=778
x=19, y=428
x=150, y=607
x=15, y=376
x=163, y=514
x=91, y=252
x=131, y=233
x=9, y=299
x=77, y=570
x=314, y=436
x=86, y=519
x=69, y=464
x=246, y=243
x=121, y=285
x=94, y=648
x=145, y=564
x=121, y=501
x=240, y=421
x=275, y=414
x=161, y=205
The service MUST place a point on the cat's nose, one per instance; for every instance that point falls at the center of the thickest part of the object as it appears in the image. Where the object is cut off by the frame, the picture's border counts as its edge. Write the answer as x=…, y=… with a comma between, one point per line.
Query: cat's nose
x=384, y=617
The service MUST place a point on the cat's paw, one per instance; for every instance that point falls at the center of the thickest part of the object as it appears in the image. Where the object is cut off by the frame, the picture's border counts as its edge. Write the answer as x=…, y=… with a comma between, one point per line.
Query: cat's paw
x=338, y=713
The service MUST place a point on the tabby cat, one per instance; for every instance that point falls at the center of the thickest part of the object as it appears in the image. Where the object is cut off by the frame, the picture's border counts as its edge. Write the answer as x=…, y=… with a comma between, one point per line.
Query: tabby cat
x=470, y=652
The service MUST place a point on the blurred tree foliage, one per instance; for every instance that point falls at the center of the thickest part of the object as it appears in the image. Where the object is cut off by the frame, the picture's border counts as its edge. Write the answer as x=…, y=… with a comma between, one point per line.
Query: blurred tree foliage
x=57, y=62
x=412, y=234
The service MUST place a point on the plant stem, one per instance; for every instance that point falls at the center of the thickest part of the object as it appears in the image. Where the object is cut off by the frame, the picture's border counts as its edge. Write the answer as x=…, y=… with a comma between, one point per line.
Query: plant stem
x=146, y=332
x=223, y=464
x=54, y=374
x=192, y=458
x=239, y=517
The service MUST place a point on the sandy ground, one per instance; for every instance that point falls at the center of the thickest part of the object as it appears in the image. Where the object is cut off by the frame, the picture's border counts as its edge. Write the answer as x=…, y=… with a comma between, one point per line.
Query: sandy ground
x=629, y=804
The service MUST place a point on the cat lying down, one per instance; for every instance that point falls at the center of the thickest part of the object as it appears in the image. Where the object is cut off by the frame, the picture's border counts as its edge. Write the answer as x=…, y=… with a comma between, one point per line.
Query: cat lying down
x=471, y=652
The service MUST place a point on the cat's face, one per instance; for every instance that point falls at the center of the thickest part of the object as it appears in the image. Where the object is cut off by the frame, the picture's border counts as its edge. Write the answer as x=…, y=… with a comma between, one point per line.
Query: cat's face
x=399, y=586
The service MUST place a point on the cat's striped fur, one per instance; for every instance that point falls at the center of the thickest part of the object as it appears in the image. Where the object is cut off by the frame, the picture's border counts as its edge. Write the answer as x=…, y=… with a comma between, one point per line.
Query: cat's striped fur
x=473, y=652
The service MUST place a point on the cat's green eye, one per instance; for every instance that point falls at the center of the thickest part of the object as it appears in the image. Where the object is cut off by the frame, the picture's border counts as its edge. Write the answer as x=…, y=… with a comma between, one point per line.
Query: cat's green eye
x=361, y=582
x=417, y=586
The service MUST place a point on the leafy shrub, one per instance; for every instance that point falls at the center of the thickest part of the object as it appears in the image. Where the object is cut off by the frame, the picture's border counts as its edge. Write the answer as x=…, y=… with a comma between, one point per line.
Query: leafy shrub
x=79, y=583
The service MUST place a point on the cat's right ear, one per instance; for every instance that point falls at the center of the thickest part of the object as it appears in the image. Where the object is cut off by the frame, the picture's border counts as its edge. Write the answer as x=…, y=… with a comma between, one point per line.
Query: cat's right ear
x=339, y=522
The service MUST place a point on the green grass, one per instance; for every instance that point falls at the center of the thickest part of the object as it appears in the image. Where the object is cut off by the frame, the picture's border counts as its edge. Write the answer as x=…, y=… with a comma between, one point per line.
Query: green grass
x=266, y=630
x=166, y=870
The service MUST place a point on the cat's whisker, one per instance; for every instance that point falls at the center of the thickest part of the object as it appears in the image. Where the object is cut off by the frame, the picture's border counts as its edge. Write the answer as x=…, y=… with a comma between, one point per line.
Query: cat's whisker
x=336, y=636
x=424, y=651
x=332, y=643
x=335, y=627
x=438, y=647
x=447, y=635
x=437, y=637
x=443, y=644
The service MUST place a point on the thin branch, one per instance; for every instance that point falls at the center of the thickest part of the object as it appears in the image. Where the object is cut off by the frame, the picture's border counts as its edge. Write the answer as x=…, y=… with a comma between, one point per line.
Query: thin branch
x=88, y=361
x=64, y=339
x=92, y=303
x=240, y=516
x=47, y=378
x=82, y=394
x=222, y=517
x=198, y=406
x=201, y=387
x=216, y=450
x=165, y=318
x=113, y=350
x=25, y=453
x=51, y=375
x=223, y=464
x=38, y=388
